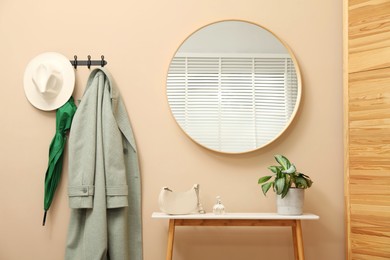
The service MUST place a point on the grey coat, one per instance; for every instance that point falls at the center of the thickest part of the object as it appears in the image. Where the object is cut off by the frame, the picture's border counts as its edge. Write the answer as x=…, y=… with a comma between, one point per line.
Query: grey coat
x=104, y=180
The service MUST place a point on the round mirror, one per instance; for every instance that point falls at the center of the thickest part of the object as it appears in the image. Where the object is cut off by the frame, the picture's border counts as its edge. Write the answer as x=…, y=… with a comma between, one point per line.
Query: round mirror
x=233, y=86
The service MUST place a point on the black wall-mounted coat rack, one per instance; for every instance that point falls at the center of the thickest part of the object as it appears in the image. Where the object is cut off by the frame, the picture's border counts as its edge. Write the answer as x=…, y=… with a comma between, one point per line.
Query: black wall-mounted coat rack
x=88, y=62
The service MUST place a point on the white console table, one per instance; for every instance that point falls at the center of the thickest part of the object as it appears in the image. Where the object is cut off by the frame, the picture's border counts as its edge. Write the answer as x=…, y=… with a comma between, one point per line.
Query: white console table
x=238, y=219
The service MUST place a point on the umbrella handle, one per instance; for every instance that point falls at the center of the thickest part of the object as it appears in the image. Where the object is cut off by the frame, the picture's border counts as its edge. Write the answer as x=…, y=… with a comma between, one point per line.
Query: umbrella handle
x=44, y=218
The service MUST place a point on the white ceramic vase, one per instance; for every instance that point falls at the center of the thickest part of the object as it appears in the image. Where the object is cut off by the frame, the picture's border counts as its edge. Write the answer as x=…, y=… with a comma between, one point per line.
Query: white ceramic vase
x=292, y=203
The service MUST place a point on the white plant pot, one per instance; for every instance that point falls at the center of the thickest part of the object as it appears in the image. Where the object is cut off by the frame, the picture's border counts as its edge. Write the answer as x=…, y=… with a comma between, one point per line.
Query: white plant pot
x=292, y=203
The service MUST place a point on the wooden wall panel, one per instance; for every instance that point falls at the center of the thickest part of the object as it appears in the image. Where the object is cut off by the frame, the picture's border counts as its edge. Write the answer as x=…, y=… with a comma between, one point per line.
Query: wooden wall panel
x=367, y=124
x=368, y=35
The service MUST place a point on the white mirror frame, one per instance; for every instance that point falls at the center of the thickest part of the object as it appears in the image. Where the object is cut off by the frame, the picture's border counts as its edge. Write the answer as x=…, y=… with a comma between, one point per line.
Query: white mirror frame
x=293, y=113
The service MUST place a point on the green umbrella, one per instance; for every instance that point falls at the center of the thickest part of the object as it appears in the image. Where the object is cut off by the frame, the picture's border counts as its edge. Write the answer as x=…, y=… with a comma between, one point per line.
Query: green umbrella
x=64, y=116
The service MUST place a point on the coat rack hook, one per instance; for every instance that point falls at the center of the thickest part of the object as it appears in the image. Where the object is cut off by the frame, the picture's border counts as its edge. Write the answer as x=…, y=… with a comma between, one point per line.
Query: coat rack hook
x=89, y=61
x=75, y=62
x=103, y=62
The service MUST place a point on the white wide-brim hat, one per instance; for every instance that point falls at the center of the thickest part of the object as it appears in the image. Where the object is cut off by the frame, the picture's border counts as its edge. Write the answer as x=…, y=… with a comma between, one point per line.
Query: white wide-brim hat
x=49, y=81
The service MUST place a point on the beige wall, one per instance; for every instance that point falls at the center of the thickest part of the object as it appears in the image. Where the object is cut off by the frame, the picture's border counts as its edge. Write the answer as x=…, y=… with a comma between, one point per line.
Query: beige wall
x=138, y=38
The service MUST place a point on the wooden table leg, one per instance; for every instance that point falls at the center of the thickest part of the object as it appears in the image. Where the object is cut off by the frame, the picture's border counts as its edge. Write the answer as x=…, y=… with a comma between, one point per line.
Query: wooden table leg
x=295, y=242
x=171, y=237
x=298, y=240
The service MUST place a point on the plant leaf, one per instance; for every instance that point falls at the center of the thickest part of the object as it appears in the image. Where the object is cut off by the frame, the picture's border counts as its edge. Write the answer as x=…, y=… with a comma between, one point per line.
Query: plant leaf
x=286, y=186
x=265, y=187
x=275, y=169
x=264, y=179
x=300, y=182
x=309, y=182
x=283, y=161
x=279, y=185
x=290, y=170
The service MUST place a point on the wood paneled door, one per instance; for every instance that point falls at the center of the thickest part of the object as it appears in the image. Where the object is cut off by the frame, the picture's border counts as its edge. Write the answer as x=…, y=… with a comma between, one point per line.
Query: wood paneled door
x=367, y=128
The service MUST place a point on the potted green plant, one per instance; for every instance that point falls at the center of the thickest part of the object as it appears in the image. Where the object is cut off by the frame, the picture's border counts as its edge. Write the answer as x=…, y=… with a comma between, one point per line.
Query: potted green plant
x=288, y=184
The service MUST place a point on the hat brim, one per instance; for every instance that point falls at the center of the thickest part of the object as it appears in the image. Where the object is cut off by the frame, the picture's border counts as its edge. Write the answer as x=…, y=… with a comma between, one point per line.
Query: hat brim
x=68, y=76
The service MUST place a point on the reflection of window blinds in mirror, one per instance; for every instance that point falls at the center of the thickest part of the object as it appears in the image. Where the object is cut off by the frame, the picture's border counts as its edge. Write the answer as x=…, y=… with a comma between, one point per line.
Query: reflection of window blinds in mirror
x=232, y=103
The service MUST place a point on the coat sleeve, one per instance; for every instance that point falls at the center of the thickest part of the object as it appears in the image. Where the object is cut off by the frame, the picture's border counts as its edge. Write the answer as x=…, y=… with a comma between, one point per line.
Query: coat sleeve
x=82, y=152
x=114, y=156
